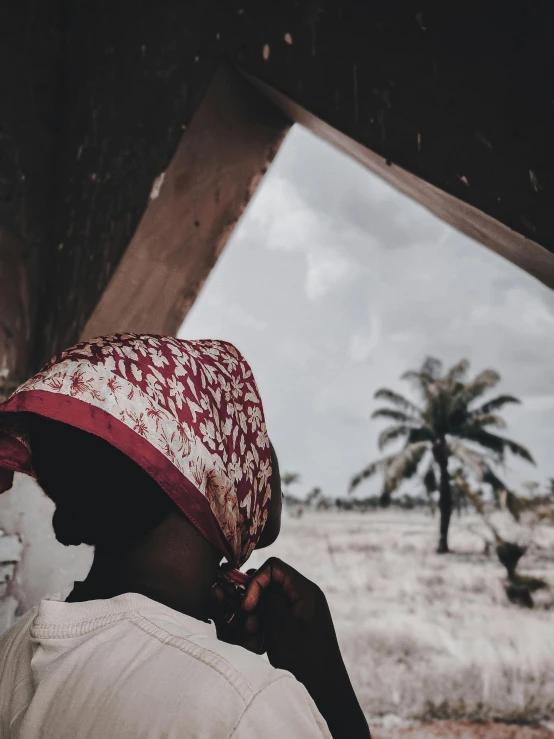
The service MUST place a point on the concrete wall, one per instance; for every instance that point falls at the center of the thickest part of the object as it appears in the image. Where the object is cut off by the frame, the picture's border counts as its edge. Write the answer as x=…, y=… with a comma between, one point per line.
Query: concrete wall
x=10, y=554
x=39, y=564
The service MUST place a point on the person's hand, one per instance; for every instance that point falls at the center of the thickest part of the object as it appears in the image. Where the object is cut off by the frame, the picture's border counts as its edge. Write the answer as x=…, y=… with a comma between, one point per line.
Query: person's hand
x=287, y=616
x=233, y=624
x=281, y=610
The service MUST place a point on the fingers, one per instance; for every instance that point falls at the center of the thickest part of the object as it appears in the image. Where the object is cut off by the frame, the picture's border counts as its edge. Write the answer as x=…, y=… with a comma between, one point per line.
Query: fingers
x=218, y=604
x=252, y=625
x=273, y=572
x=254, y=634
x=260, y=581
x=247, y=631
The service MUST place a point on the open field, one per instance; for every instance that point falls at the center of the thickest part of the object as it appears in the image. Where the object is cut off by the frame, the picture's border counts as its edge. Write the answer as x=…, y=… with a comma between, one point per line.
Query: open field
x=425, y=636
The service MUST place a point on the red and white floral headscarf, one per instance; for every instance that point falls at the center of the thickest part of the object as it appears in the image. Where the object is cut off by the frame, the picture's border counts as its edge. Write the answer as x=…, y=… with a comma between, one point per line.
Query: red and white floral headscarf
x=188, y=412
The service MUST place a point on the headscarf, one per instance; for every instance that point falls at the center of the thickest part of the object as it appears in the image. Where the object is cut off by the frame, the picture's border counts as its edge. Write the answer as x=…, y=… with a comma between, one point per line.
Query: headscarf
x=188, y=412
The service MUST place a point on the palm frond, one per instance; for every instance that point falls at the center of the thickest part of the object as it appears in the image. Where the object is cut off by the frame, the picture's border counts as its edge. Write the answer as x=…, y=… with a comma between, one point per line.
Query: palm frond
x=496, y=403
x=392, y=433
x=425, y=378
x=492, y=479
x=477, y=465
x=474, y=499
x=513, y=504
x=399, y=416
x=421, y=380
x=487, y=419
x=414, y=375
x=518, y=450
x=399, y=400
x=480, y=469
x=397, y=467
x=288, y=478
x=497, y=444
x=379, y=466
x=469, y=458
x=425, y=386
x=459, y=371
x=481, y=383
x=404, y=465
x=430, y=370
x=432, y=367
x=421, y=433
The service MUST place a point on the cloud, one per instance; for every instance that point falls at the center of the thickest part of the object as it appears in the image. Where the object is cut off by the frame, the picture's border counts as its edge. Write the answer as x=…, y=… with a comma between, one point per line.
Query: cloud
x=242, y=317
x=283, y=221
x=280, y=217
x=333, y=284
x=361, y=346
x=296, y=352
x=538, y=403
x=327, y=269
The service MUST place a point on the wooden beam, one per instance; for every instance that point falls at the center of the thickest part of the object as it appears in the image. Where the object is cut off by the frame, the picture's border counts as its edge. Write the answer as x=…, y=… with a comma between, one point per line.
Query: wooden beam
x=193, y=208
x=523, y=252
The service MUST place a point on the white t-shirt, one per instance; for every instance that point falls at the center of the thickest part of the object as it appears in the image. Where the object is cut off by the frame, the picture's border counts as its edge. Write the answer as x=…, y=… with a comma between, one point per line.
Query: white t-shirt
x=131, y=668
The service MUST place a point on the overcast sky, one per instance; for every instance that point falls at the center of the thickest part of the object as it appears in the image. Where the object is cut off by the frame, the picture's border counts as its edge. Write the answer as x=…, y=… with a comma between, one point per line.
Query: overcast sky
x=333, y=284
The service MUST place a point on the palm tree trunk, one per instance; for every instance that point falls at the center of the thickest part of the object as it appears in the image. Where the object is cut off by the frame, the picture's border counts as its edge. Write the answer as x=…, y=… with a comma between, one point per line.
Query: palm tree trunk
x=445, y=494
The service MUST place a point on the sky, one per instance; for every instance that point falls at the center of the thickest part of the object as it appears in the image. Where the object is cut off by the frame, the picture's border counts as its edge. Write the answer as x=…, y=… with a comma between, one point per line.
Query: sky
x=334, y=283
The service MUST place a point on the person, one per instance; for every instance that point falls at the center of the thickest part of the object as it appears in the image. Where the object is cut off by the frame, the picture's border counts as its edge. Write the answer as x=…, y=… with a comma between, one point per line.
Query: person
x=155, y=452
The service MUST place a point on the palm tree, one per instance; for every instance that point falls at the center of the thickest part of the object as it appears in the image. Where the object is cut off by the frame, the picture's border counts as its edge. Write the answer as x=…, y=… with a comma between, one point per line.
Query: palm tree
x=450, y=421
x=313, y=496
x=288, y=479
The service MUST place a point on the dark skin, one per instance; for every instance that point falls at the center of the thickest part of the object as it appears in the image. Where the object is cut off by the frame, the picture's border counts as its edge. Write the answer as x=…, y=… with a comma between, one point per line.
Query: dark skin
x=284, y=614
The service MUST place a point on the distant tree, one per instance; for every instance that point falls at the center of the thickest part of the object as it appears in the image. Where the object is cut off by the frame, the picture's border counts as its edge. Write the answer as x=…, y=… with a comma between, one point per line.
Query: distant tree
x=313, y=496
x=449, y=421
x=531, y=487
x=519, y=588
x=288, y=479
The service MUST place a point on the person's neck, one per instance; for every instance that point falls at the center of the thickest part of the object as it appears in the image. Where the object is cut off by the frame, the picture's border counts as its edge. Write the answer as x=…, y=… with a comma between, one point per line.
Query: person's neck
x=174, y=565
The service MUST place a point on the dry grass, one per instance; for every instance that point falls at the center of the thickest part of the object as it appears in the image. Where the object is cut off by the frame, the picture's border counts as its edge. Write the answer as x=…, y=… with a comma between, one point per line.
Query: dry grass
x=428, y=636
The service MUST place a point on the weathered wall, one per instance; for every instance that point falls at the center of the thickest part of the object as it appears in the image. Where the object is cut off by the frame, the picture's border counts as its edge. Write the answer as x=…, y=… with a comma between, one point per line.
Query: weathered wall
x=43, y=566
x=17, y=308
x=10, y=554
x=31, y=58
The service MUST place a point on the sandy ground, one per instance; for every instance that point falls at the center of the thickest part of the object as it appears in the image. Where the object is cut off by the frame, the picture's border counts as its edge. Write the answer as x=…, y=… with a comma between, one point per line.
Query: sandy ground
x=461, y=730
x=429, y=637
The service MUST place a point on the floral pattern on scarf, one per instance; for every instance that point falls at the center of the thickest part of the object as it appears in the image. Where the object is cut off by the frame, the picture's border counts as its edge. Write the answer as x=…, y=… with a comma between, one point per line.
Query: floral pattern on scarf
x=195, y=402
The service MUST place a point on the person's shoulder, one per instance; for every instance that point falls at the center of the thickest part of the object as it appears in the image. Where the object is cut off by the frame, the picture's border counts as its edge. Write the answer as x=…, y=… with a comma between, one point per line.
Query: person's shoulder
x=256, y=698
x=13, y=637
x=246, y=673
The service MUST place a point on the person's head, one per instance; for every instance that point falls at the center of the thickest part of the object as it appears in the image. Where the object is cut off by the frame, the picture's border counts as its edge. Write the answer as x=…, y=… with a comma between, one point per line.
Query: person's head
x=275, y=509
x=102, y=497
x=136, y=429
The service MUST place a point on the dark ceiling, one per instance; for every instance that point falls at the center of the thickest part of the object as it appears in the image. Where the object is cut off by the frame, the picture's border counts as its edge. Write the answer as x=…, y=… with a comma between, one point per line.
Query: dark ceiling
x=96, y=96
